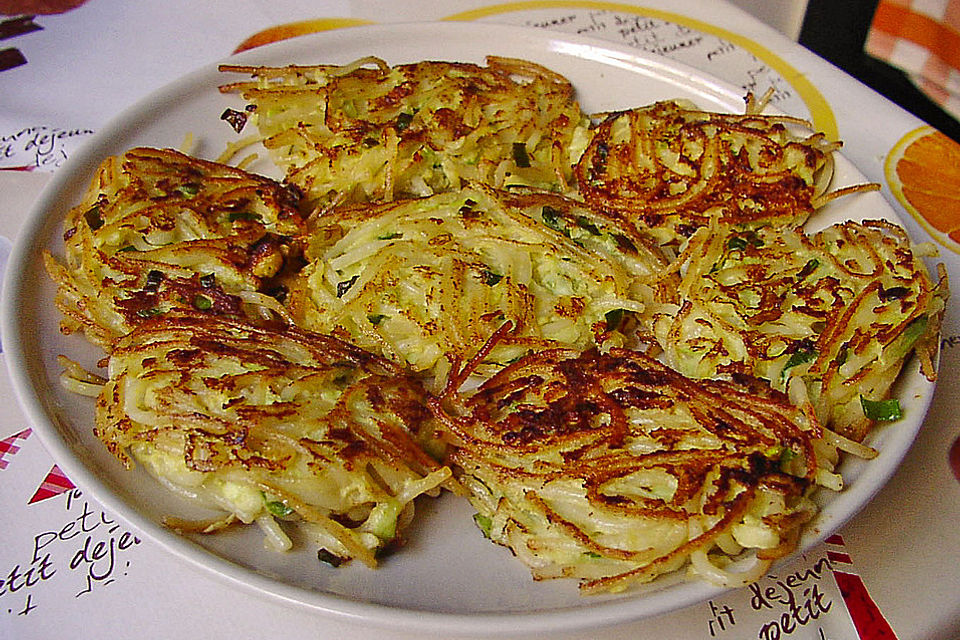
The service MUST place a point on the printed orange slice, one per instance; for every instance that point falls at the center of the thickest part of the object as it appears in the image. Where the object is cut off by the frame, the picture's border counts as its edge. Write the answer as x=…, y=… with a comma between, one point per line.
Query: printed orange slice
x=293, y=29
x=923, y=172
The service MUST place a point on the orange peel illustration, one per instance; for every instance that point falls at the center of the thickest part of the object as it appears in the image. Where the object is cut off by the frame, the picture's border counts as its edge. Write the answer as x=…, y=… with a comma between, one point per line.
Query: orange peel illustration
x=293, y=29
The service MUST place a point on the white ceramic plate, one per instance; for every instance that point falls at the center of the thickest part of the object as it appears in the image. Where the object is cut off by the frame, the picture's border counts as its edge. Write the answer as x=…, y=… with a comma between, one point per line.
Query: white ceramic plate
x=448, y=578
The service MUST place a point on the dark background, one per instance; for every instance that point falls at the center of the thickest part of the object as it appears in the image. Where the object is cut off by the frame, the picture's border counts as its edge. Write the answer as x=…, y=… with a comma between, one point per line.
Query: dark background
x=836, y=30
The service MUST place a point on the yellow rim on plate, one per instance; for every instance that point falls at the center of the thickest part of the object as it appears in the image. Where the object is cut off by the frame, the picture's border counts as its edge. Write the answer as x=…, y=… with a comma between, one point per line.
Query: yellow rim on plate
x=820, y=111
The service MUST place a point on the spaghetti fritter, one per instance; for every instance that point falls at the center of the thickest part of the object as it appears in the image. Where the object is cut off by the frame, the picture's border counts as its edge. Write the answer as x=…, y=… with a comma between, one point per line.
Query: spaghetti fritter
x=423, y=281
x=271, y=424
x=614, y=469
x=293, y=369
x=159, y=231
x=368, y=131
x=837, y=311
x=671, y=168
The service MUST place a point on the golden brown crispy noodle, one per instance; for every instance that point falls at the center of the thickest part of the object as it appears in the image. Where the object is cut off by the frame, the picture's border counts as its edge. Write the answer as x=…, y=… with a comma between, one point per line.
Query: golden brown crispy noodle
x=271, y=423
x=356, y=133
x=426, y=281
x=835, y=312
x=671, y=168
x=614, y=469
x=158, y=231
x=448, y=202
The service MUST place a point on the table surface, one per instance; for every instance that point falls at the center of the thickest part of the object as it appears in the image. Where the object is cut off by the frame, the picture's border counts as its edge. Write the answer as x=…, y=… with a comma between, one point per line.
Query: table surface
x=903, y=545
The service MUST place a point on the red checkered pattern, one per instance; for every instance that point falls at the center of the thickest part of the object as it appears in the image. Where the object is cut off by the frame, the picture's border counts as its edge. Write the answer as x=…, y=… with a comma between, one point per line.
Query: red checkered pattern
x=9, y=447
x=53, y=485
x=866, y=616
